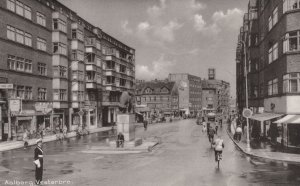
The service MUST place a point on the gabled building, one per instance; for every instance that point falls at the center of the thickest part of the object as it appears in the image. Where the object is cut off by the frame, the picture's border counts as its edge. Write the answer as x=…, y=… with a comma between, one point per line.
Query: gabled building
x=158, y=96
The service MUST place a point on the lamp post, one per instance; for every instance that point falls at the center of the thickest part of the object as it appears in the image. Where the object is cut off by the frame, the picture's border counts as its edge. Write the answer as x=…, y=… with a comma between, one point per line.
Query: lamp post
x=246, y=83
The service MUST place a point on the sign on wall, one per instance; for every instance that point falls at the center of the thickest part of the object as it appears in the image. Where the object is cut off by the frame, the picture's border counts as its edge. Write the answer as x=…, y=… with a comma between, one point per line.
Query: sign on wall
x=14, y=105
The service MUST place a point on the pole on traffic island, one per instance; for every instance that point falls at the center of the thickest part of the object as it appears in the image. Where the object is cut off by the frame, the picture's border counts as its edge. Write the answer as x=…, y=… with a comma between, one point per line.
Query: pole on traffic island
x=248, y=112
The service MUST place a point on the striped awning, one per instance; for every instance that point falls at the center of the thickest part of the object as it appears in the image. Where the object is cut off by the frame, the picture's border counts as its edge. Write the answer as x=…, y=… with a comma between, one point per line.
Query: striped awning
x=293, y=119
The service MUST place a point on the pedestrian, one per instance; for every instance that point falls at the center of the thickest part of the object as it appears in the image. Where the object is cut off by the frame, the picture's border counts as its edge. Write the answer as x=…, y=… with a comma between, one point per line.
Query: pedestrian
x=38, y=157
x=25, y=138
x=216, y=129
x=238, y=132
x=145, y=124
x=204, y=129
x=120, y=140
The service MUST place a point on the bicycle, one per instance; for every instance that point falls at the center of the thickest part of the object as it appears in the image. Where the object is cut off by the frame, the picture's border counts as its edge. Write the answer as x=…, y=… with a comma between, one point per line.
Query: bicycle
x=219, y=158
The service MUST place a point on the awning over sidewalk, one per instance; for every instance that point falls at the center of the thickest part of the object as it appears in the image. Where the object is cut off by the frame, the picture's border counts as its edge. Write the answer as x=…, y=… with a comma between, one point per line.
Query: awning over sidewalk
x=265, y=116
x=289, y=119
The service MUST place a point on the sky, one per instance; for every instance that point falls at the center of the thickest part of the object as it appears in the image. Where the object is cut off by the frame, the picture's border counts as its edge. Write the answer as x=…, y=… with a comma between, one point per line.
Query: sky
x=171, y=36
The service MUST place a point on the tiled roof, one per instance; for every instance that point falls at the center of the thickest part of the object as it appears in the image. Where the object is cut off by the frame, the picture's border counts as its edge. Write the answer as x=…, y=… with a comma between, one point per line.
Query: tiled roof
x=155, y=86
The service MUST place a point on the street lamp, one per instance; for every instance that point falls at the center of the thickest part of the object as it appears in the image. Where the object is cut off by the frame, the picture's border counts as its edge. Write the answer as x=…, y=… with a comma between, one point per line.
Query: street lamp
x=246, y=82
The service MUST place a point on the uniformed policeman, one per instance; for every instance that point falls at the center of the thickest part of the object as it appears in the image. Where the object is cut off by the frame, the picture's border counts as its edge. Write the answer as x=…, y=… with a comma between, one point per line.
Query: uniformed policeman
x=38, y=155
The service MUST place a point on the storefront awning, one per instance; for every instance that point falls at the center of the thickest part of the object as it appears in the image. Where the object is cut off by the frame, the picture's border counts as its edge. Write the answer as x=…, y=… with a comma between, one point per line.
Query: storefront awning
x=265, y=116
x=139, y=113
x=289, y=119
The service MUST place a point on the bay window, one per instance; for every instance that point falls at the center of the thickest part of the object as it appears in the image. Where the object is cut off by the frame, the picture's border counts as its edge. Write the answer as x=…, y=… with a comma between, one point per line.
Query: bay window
x=59, y=48
x=59, y=25
x=291, y=83
x=290, y=5
x=291, y=42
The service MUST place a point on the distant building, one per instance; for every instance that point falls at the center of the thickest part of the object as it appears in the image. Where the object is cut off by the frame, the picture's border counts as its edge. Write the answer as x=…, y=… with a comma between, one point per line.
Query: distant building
x=190, y=92
x=216, y=96
x=157, y=96
x=211, y=73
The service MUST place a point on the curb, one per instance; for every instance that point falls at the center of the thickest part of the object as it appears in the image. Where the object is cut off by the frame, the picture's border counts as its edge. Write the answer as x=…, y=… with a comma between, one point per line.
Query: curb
x=20, y=144
x=257, y=156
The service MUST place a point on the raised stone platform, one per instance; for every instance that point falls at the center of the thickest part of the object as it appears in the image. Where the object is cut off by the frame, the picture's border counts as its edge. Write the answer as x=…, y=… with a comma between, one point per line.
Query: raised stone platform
x=127, y=144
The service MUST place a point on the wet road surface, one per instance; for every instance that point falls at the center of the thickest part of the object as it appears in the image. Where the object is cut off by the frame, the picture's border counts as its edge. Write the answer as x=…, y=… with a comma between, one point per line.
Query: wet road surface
x=184, y=158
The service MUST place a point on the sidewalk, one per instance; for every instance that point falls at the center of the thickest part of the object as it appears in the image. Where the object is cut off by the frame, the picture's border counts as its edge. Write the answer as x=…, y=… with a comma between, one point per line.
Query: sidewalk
x=9, y=145
x=265, y=153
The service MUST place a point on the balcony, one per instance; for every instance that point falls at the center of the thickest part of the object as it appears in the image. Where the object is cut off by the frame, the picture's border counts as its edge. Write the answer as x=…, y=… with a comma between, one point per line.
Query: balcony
x=92, y=43
x=110, y=58
x=91, y=67
x=91, y=84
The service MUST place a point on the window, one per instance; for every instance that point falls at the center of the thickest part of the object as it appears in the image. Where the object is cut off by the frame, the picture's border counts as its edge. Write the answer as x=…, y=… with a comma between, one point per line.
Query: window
x=11, y=5
x=41, y=19
x=28, y=39
x=290, y=5
x=273, y=19
x=28, y=93
x=59, y=25
x=28, y=66
x=41, y=44
x=60, y=94
x=77, y=55
x=122, y=82
x=273, y=87
x=19, y=36
x=27, y=12
x=291, y=42
x=273, y=53
x=98, y=45
x=20, y=92
x=42, y=94
x=60, y=71
x=291, y=83
x=59, y=48
x=78, y=75
x=77, y=34
x=19, y=8
x=11, y=31
x=42, y=69
x=122, y=68
x=20, y=64
x=11, y=62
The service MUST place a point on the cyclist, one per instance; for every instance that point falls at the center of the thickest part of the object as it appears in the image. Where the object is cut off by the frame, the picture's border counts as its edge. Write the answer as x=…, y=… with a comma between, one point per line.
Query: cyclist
x=218, y=145
x=211, y=133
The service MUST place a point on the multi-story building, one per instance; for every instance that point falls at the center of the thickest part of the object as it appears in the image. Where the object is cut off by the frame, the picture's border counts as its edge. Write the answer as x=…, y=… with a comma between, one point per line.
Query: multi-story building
x=216, y=97
x=54, y=68
x=268, y=52
x=158, y=96
x=190, y=93
x=119, y=75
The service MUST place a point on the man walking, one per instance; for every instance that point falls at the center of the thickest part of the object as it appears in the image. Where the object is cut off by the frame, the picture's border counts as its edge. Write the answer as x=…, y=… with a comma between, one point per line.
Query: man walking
x=38, y=157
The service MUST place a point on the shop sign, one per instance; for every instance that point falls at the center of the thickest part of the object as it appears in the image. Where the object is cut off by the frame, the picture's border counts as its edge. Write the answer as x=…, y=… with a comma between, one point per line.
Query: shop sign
x=15, y=105
x=27, y=112
x=6, y=86
x=43, y=107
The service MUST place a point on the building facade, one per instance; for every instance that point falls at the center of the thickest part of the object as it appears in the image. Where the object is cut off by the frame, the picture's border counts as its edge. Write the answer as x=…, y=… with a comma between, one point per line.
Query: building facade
x=268, y=55
x=190, y=93
x=159, y=96
x=55, y=64
x=216, y=97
